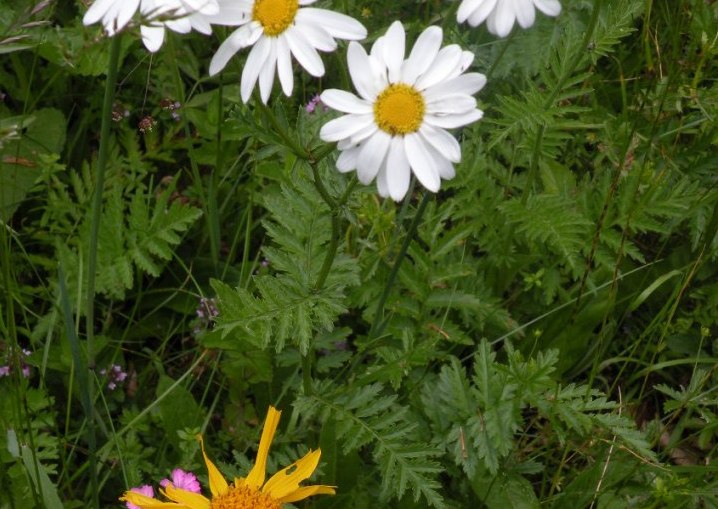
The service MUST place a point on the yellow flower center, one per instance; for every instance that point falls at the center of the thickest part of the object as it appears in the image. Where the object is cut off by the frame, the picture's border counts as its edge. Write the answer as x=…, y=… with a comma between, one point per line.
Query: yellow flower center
x=399, y=109
x=244, y=497
x=275, y=16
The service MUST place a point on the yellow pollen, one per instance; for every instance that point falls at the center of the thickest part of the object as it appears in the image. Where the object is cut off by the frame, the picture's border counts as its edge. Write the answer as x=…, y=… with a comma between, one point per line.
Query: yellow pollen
x=244, y=497
x=275, y=16
x=399, y=109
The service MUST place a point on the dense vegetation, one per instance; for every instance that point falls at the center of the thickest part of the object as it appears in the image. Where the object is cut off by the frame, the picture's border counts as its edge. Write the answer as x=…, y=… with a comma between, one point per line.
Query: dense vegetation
x=541, y=332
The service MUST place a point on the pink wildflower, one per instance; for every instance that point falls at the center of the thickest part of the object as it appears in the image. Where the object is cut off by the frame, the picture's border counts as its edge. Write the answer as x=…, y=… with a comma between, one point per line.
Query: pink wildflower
x=183, y=480
x=145, y=490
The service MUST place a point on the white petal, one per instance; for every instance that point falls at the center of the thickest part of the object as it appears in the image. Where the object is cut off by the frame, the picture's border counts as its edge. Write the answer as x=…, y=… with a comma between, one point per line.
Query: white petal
x=422, y=54
x=152, y=37
x=372, y=155
x=452, y=121
x=421, y=162
x=453, y=104
x=398, y=172
x=394, y=48
x=467, y=84
x=361, y=72
x=201, y=24
x=363, y=133
x=482, y=12
x=232, y=14
x=345, y=144
x=255, y=61
x=318, y=37
x=548, y=7
x=338, y=25
x=445, y=62
x=382, y=186
x=467, y=7
x=97, y=11
x=347, y=160
x=442, y=141
x=525, y=13
x=345, y=101
x=344, y=127
x=228, y=48
x=305, y=54
x=205, y=7
x=181, y=25
x=266, y=75
x=284, y=66
x=501, y=20
x=443, y=166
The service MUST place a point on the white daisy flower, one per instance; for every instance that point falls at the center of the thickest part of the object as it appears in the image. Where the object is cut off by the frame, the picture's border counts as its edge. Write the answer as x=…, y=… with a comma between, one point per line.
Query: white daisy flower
x=500, y=15
x=278, y=30
x=397, y=124
x=181, y=16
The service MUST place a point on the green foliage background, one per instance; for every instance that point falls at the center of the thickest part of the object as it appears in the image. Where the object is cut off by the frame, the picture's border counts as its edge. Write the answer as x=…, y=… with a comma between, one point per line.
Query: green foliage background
x=540, y=333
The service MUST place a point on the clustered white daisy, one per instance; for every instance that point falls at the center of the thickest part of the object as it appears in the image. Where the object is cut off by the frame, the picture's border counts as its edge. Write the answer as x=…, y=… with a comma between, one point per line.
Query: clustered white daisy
x=180, y=16
x=278, y=30
x=397, y=124
x=500, y=15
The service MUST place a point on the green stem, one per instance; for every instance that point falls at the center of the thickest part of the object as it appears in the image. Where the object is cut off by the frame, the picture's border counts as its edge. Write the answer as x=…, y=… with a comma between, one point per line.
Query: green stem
x=322, y=189
x=92, y=259
x=378, y=325
x=336, y=225
x=330, y=255
x=291, y=143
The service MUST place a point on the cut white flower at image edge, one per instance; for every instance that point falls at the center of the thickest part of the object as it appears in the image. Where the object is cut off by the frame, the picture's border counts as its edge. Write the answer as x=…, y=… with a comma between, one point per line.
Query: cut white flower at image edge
x=500, y=15
x=278, y=30
x=180, y=16
x=397, y=124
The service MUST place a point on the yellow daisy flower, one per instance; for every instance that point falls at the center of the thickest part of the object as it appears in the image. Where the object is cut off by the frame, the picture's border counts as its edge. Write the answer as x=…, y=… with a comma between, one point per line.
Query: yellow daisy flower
x=249, y=492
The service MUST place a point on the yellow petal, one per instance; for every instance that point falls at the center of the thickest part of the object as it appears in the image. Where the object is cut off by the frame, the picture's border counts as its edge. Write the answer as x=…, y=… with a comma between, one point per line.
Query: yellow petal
x=255, y=478
x=145, y=502
x=217, y=483
x=307, y=491
x=283, y=484
x=187, y=498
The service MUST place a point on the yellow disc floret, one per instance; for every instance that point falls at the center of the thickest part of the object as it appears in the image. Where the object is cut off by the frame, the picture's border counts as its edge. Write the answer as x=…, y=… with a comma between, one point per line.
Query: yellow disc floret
x=244, y=497
x=275, y=16
x=399, y=109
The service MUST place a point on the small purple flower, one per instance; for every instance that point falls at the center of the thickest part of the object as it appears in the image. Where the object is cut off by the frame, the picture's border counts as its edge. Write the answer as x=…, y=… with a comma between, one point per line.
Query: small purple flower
x=183, y=480
x=114, y=375
x=145, y=490
x=207, y=308
x=25, y=369
x=313, y=103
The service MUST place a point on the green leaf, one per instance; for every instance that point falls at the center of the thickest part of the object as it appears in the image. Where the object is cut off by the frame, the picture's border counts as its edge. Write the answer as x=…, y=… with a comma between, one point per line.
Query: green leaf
x=23, y=160
x=178, y=409
x=40, y=478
